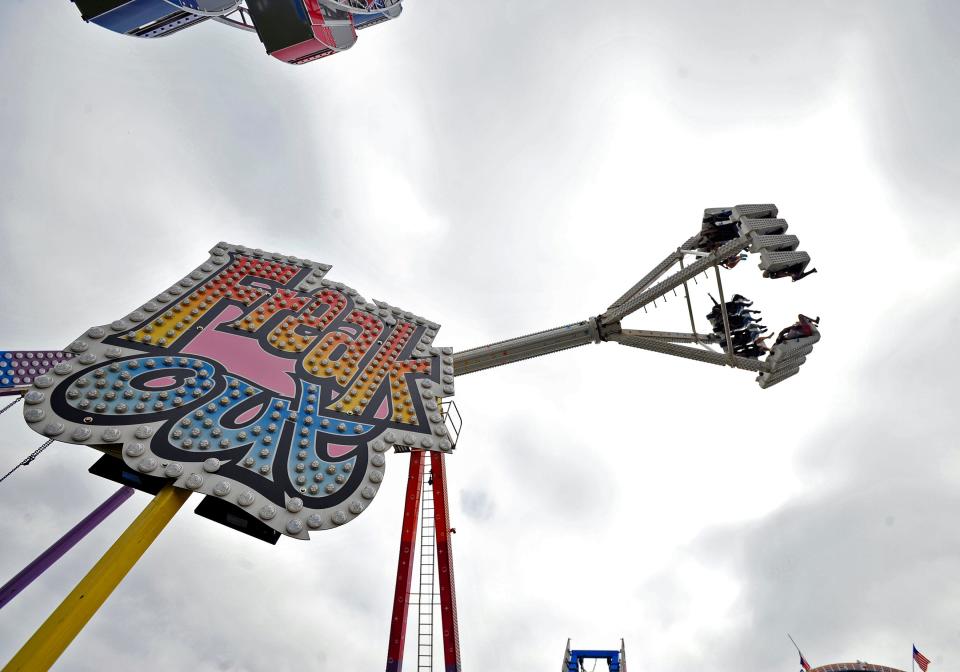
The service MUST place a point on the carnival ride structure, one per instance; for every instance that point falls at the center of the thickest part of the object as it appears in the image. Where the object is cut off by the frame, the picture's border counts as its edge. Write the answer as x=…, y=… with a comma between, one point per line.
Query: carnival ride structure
x=573, y=659
x=276, y=393
x=293, y=31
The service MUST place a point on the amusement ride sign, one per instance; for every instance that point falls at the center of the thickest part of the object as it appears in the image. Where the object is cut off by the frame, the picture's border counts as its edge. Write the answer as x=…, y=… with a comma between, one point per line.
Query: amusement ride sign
x=256, y=381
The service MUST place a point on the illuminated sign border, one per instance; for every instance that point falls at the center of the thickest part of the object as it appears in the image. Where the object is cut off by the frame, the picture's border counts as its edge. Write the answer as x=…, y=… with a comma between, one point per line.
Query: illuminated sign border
x=239, y=380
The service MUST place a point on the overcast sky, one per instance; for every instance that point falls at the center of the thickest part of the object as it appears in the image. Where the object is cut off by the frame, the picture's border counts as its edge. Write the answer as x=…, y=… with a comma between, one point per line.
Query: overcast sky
x=502, y=168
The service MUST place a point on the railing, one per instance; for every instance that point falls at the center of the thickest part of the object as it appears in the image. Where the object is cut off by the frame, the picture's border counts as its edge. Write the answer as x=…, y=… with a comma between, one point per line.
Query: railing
x=452, y=419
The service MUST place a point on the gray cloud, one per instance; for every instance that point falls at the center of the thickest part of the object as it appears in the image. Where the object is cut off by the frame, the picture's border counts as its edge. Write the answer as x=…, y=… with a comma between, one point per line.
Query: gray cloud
x=477, y=504
x=863, y=565
x=539, y=158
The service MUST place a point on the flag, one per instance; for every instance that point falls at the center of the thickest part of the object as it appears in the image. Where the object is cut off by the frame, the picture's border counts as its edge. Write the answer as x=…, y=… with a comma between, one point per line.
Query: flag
x=803, y=663
x=920, y=659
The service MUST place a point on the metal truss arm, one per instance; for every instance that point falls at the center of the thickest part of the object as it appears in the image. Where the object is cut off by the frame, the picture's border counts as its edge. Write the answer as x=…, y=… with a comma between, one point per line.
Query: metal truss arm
x=525, y=347
x=669, y=336
x=659, y=270
x=726, y=251
x=238, y=18
x=698, y=354
x=234, y=23
x=757, y=230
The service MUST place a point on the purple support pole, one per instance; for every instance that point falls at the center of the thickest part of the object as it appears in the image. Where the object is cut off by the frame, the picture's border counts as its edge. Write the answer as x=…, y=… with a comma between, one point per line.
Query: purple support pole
x=43, y=561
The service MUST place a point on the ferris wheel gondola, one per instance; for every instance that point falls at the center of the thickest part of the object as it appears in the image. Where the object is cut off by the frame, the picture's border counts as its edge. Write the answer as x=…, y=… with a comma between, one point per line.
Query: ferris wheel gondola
x=151, y=18
x=293, y=31
x=300, y=31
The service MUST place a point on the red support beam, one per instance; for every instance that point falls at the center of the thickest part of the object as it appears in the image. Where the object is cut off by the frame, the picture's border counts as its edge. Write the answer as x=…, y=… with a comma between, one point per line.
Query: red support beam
x=448, y=593
x=408, y=538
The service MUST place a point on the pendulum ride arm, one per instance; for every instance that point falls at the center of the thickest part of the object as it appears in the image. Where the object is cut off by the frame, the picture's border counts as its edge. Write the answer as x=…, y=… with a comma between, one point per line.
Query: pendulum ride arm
x=659, y=269
x=634, y=339
x=760, y=232
x=526, y=347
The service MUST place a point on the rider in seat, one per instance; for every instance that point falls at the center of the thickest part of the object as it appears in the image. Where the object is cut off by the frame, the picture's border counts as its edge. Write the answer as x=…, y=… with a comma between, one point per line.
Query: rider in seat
x=802, y=328
x=717, y=229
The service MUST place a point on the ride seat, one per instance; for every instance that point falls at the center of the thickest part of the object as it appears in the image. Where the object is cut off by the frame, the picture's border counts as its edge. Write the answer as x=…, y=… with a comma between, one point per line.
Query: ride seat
x=764, y=227
x=773, y=243
x=769, y=379
x=754, y=211
x=779, y=261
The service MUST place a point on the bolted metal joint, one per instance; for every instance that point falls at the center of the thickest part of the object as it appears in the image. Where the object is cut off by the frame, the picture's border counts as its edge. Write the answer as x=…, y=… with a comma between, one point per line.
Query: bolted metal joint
x=603, y=332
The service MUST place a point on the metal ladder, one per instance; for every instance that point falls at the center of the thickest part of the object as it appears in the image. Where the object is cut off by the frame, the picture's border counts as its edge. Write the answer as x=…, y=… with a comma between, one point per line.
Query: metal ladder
x=427, y=559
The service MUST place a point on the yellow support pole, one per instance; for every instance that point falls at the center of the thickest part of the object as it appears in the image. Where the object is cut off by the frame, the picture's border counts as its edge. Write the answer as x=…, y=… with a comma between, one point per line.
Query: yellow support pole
x=52, y=638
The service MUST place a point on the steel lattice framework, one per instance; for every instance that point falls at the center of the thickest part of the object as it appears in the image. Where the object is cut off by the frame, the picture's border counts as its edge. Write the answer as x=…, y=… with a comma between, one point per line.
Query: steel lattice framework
x=757, y=230
x=277, y=393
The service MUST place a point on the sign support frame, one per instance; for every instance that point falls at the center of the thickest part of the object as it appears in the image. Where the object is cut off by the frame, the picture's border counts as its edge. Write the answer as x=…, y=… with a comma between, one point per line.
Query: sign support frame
x=55, y=634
